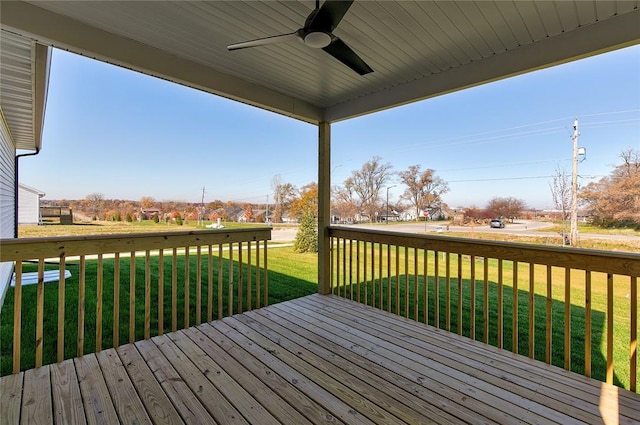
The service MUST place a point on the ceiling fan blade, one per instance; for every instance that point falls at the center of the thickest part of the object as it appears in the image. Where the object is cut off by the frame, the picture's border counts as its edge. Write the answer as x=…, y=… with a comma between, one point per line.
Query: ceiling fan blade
x=266, y=40
x=339, y=50
x=329, y=15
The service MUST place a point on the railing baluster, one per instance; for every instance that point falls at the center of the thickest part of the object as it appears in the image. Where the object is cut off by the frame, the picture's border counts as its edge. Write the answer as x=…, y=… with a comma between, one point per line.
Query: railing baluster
x=416, y=298
x=81, y=289
x=174, y=290
x=40, y=313
x=397, y=257
x=350, y=269
x=436, y=288
x=587, y=324
x=132, y=297
x=406, y=281
x=258, y=275
x=220, y=265
x=633, y=343
x=332, y=265
x=198, y=285
x=567, y=318
x=459, y=294
x=209, y=283
x=514, y=310
x=425, y=283
x=61, y=306
x=532, y=310
x=17, y=317
x=249, y=289
x=337, y=285
x=485, y=308
x=373, y=274
x=147, y=294
x=358, y=283
x=116, y=300
x=380, y=296
x=549, y=319
x=500, y=304
x=240, y=294
x=472, y=277
x=364, y=272
x=161, y=291
x=609, y=328
x=388, y=278
x=265, y=293
x=187, y=285
x=344, y=268
x=447, y=306
x=230, y=287
x=99, y=289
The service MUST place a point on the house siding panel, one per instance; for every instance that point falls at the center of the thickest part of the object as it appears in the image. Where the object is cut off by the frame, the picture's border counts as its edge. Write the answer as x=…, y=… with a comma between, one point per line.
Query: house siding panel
x=7, y=201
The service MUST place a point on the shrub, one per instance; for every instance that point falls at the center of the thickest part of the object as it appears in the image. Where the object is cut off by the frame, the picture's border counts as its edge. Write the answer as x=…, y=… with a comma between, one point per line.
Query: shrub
x=307, y=235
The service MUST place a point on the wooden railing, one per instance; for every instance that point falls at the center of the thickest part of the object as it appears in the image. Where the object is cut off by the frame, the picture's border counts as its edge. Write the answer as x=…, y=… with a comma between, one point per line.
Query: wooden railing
x=571, y=307
x=128, y=287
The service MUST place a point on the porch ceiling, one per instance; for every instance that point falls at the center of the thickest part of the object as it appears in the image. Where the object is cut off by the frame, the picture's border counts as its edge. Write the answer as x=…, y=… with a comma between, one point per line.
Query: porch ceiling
x=417, y=49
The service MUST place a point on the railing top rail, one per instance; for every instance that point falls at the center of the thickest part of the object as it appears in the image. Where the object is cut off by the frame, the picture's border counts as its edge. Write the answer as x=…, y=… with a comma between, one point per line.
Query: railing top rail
x=625, y=263
x=59, y=246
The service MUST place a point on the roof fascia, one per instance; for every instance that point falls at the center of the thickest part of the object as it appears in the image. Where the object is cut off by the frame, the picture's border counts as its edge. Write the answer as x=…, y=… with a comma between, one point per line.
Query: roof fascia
x=42, y=65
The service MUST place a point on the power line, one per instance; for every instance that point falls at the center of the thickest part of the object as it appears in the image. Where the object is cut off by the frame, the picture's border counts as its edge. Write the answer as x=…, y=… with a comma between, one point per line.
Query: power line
x=511, y=178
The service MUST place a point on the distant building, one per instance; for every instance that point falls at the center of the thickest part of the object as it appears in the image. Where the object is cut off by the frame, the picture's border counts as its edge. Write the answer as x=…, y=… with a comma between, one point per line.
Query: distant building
x=29, y=204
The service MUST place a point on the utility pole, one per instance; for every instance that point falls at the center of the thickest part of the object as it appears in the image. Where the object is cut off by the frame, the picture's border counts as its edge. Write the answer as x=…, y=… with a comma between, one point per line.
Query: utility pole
x=573, y=237
x=386, y=220
x=201, y=215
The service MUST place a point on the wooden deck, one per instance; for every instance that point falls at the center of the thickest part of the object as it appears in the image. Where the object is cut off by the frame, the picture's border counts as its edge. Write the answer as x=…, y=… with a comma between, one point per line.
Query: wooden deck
x=317, y=359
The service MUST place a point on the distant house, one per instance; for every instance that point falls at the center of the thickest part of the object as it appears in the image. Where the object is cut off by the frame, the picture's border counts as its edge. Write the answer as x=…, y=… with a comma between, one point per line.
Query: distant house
x=29, y=204
x=149, y=213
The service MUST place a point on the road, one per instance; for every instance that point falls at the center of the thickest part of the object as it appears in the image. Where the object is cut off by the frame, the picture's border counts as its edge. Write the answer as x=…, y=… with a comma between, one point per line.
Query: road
x=519, y=228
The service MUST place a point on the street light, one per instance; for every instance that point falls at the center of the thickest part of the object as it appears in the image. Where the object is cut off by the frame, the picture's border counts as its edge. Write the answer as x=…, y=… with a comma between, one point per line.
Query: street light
x=387, y=217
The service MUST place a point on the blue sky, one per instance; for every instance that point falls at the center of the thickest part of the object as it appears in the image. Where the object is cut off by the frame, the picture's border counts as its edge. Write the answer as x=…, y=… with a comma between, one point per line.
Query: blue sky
x=127, y=135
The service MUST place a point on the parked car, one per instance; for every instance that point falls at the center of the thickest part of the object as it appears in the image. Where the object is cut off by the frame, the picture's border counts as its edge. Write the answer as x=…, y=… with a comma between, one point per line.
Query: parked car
x=497, y=223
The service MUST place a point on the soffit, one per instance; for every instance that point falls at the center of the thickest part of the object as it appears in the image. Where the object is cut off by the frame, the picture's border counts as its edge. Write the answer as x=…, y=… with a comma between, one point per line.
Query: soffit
x=23, y=76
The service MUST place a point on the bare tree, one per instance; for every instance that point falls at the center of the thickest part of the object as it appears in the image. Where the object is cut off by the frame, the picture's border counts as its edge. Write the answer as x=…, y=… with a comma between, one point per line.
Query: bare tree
x=94, y=203
x=561, y=194
x=283, y=195
x=367, y=182
x=345, y=201
x=506, y=207
x=424, y=189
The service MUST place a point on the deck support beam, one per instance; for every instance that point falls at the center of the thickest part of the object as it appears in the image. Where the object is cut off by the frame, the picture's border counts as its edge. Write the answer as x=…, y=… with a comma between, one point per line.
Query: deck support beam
x=324, y=206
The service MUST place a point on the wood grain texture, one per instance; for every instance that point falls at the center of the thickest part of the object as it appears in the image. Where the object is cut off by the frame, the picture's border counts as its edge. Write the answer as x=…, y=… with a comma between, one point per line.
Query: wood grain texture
x=314, y=360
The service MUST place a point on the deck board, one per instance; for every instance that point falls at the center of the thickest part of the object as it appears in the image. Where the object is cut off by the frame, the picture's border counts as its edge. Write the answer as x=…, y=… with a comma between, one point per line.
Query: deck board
x=313, y=360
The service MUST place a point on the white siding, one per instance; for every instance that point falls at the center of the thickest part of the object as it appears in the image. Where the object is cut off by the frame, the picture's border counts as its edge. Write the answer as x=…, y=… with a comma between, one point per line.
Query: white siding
x=28, y=205
x=7, y=201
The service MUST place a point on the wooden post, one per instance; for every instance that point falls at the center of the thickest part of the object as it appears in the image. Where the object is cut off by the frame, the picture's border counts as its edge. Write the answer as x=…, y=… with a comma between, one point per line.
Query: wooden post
x=324, y=206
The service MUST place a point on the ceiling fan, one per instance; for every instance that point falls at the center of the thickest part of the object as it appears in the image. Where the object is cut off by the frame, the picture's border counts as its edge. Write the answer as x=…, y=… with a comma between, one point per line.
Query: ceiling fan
x=317, y=33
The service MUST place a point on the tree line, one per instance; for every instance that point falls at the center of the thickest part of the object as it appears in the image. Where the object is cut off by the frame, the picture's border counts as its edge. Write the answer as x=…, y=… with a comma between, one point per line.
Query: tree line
x=612, y=201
